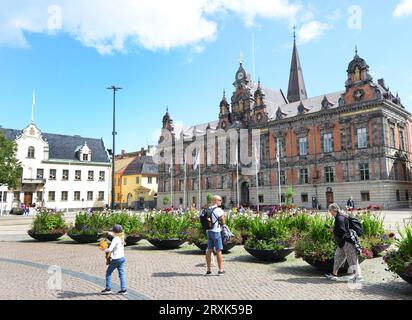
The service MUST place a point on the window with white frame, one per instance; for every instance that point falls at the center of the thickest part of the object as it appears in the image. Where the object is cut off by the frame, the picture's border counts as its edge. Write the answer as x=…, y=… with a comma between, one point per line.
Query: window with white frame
x=65, y=196
x=362, y=138
x=65, y=175
x=52, y=174
x=149, y=180
x=364, y=171
x=78, y=175
x=90, y=175
x=101, y=176
x=77, y=196
x=304, y=176
x=40, y=173
x=327, y=143
x=39, y=195
x=101, y=196
x=329, y=174
x=90, y=195
x=52, y=196
x=30, y=153
x=303, y=146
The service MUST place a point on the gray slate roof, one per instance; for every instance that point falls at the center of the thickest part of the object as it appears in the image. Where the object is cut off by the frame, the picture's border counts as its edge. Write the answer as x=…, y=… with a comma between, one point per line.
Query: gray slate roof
x=141, y=165
x=63, y=147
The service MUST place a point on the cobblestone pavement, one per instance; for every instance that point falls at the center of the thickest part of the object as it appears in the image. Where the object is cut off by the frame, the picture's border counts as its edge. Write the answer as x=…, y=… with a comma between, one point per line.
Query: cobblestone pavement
x=178, y=274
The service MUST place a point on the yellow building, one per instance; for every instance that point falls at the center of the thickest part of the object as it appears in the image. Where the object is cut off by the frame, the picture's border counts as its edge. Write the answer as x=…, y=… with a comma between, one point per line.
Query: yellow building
x=139, y=183
x=120, y=165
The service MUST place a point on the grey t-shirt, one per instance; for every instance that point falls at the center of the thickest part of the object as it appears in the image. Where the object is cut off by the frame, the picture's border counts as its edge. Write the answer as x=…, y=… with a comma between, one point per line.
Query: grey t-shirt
x=217, y=213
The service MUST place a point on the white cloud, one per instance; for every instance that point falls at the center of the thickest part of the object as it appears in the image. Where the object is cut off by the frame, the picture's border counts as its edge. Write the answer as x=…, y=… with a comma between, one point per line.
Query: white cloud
x=112, y=25
x=403, y=8
x=311, y=31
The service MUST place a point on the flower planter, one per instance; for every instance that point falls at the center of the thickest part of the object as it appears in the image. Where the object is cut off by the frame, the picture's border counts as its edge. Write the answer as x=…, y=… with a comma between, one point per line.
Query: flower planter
x=226, y=247
x=407, y=277
x=166, y=244
x=132, y=239
x=376, y=250
x=327, y=265
x=84, y=238
x=269, y=254
x=45, y=236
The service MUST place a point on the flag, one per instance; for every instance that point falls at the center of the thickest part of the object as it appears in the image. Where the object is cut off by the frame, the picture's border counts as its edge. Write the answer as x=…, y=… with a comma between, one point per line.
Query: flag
x=277, y=151
x=256, y=153
x=197, y=159
x=171, y=165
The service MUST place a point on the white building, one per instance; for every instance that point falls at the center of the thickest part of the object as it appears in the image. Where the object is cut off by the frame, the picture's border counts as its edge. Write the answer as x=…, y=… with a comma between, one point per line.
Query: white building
x=59, y=171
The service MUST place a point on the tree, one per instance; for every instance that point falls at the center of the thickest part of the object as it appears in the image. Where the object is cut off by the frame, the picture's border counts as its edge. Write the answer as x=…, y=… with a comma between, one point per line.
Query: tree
x=10, y=168
x=209, y=198
x=166, y=201
x=289, y=195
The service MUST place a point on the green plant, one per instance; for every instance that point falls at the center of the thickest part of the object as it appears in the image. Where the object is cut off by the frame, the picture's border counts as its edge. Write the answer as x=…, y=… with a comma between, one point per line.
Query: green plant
x=48, y=222
x=400, y=260
x=166, y=201
x=88, y=224
x=163, y=226
x=289, y=195
x=273, y=233
x=317, y=242
x=209, y=198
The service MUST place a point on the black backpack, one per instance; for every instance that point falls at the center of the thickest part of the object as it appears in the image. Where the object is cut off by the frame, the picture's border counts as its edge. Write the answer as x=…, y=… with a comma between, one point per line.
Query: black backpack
x=355, y=225
x=206, y=219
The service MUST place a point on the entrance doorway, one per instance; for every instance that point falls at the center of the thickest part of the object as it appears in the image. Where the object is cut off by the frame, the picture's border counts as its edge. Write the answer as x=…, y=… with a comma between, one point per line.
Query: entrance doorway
x=28, y=198
x=329, y=197
x=129, y=200
x=244, y=193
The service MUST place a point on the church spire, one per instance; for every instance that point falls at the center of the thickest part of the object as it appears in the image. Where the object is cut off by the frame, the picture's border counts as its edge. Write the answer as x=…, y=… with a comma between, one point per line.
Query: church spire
x=296, y=89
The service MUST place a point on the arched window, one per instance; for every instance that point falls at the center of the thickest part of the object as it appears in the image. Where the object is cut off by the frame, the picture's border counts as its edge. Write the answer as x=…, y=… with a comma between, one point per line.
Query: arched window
x=30, y=153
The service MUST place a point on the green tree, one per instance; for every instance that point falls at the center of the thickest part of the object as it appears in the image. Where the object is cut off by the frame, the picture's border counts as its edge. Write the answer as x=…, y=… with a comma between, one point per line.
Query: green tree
x=10, y=168
x=209, y=198
x=289, y=195
x=166, y=201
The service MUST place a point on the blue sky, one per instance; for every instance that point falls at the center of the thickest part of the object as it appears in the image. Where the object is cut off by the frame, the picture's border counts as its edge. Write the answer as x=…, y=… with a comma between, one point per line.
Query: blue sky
x=181, y=56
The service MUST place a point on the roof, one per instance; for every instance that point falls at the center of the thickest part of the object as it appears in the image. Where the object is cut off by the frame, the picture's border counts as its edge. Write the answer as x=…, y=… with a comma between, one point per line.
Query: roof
x=142, y=165
x=296, y=89
x=63, y=147
x=120, y=164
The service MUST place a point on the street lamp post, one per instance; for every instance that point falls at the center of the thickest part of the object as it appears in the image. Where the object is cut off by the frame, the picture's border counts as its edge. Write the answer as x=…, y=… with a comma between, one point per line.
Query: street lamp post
x=114, y=88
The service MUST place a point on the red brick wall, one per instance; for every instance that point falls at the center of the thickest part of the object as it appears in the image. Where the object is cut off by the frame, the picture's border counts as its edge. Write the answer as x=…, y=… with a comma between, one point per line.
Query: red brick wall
x=336, y=138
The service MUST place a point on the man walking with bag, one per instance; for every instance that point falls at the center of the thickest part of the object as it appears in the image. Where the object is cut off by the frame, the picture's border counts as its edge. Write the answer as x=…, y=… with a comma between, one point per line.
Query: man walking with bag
x=213, y=233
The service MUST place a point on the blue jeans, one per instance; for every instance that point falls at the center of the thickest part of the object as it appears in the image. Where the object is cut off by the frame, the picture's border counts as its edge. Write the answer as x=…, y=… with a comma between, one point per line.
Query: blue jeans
x=116, y=264
x=214, y=240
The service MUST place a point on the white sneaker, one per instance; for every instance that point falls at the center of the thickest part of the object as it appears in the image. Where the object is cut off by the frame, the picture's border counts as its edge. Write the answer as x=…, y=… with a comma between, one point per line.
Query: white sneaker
x=331, y=277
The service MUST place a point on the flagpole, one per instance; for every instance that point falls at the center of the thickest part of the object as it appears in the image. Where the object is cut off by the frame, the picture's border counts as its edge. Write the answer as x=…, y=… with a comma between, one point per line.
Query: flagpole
x=171, y=182
x=184, y=184
x=237, y=175
x=257, y=181
x=278, y=160
x=200, y=186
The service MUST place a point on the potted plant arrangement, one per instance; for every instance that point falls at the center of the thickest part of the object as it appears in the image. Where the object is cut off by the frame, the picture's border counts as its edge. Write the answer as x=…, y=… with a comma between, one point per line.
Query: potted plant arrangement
x=399, y=260
x=133, y=228
x=374, y=237
x=166, y=230
x=317, y=247
x=48, y=226
x=271, y=239
x=241, y=223
x=87, y=227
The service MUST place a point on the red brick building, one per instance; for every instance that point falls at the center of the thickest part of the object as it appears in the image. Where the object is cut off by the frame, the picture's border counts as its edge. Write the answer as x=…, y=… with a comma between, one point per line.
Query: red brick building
x=355, y=142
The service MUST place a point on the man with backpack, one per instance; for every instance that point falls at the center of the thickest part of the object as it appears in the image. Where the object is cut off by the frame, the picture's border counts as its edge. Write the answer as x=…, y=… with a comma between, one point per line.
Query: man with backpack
x=211, y=219
x=346, y=233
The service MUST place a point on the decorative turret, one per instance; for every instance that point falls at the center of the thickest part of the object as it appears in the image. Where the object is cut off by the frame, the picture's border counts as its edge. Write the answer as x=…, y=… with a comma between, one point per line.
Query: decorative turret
x=358, y=71
x=167, y=121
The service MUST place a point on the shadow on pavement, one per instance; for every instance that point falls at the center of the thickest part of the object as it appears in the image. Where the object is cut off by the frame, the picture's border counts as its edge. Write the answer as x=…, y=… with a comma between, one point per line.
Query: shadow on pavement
x=251, y=259
x=305, y=270
x=146, y=248
x=72, y=294
x=307, y=280
x=176, y=274
x=190, y=252
x=388, y=289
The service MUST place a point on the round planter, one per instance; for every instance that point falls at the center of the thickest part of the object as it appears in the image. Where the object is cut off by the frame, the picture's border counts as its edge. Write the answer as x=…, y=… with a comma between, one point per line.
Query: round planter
x=45, y=236
x=166, y=244
x=84, y=238
x=327, y=265
x=226, y=247
x=269, y=254
x=131, y=240
x=407, y=277
x=376, y=250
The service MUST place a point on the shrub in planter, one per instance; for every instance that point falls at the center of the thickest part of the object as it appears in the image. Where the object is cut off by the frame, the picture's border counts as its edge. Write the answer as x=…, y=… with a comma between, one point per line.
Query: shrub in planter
x=317, y=247
x=87, y=227
x=163, y=229
x=271, y=239
x=134, y=229
x=374, y=237
x=241, y=223
x=399, y=260
x=48, y=226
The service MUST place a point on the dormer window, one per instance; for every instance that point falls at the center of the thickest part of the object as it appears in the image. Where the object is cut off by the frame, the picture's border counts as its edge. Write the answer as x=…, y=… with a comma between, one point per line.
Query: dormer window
x=83, y=153
x=30, y=153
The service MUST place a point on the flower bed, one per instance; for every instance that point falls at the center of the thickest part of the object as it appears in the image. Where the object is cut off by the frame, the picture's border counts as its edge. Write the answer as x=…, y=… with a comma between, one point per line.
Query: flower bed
x=48, y=226
x=399, y=260
x=87, y=227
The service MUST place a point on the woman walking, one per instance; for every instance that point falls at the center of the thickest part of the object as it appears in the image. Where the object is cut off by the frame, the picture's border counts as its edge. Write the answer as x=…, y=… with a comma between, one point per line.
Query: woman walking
x=118, y=260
